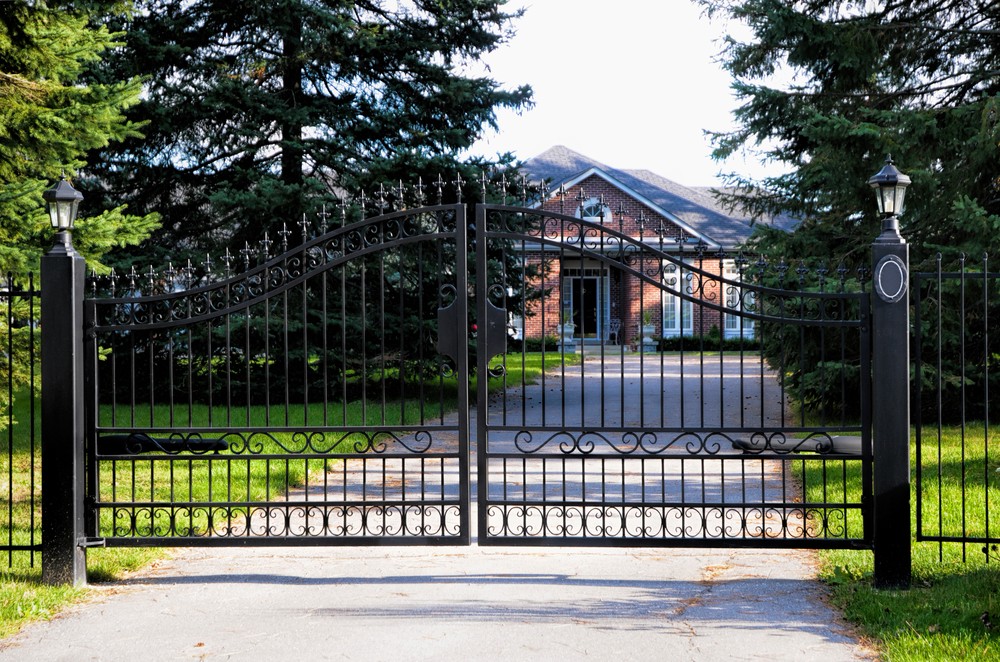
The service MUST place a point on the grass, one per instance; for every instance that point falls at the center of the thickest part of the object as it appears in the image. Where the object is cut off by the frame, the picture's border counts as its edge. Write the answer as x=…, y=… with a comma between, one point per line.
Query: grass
x=952, y=612
x=528, y=366
x=23, y=596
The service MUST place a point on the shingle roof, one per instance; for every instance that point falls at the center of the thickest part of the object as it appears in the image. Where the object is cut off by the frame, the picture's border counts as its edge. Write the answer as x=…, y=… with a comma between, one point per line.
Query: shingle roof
x=696, y=208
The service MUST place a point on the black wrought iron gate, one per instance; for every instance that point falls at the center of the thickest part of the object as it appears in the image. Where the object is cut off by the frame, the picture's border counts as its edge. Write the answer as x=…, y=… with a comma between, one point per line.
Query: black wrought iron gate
x=301, y=399
x=645, y=439
x=320, y=394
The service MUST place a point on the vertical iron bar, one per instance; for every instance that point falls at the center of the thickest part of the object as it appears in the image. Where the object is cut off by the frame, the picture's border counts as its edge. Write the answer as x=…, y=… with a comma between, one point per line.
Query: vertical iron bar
x=211, y=373
x=266, y=304
x=285, y=358
x=171, y=365
x=364, y=345
x=462, y=301
x=324, y=334
x=420, y=335
x=940, y=406
x=523, y=317
x=305, y=346
x=986, y=399
x=401, y=330
x=962, y=393
x=229, y=364
x=917, y=396
x=343, y=341
x=32, y=390
x=246, y=361
x=481, y=238
x=9, y=297
x=381, y=320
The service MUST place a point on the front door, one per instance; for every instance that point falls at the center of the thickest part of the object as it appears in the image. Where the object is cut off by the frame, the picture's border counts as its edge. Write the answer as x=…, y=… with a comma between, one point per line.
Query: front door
x=585, y=299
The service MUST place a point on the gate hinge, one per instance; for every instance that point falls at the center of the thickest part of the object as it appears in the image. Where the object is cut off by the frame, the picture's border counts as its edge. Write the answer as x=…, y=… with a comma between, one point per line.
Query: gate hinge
x=93, y=542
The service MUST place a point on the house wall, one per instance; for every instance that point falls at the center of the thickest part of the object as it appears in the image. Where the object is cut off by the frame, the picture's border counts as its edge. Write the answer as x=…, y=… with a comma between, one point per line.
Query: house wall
x=629, y=295
x=627, y=223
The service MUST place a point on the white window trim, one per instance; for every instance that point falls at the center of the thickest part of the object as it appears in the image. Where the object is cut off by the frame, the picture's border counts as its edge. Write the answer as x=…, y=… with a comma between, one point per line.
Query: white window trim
x=680, y=311
x=592, y=203
x=736, y=326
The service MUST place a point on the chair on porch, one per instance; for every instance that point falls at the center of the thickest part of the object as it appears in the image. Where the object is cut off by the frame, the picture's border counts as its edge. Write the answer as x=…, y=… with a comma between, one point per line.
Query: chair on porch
x=613, y=329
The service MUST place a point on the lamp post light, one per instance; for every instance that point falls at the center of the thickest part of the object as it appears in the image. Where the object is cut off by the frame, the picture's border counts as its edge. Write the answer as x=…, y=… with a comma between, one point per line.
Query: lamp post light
x=890, y=191
x=63, y=202
x=890, y=396
x=63, y=514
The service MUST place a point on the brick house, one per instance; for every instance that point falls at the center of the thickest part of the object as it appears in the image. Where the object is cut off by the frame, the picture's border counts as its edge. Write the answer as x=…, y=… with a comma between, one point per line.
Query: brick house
x=609, y=305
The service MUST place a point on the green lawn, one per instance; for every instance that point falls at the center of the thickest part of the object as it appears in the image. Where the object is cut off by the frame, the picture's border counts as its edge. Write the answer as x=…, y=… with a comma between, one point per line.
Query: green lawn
x=952, y=612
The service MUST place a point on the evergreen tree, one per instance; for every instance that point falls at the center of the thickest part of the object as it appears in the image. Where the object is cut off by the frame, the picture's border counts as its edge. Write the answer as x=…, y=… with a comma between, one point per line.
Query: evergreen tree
x=914, y=78
x=254, y=113
x=48, y=121
x=855, y=81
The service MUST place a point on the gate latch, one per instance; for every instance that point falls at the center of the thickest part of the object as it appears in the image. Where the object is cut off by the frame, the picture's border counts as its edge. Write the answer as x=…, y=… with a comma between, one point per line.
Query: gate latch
x=449, y=327
x=496, y=331
x=451, y=337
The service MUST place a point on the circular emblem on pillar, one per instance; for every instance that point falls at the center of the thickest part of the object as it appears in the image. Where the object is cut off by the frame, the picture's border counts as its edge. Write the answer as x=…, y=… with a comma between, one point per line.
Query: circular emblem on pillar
x=890, y=279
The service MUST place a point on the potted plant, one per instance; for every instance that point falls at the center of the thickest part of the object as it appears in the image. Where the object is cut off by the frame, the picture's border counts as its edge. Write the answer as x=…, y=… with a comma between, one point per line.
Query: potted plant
x=647, y=329
x=566, y=328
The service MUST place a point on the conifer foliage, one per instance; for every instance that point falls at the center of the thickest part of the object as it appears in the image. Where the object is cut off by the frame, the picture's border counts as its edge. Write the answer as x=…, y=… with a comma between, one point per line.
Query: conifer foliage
x=829, y=87
x=49, y=120
x=256, y=112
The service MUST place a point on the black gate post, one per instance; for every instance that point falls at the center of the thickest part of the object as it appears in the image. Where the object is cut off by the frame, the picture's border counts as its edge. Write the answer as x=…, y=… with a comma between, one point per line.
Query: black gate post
x=891, y=393
x=64, y=559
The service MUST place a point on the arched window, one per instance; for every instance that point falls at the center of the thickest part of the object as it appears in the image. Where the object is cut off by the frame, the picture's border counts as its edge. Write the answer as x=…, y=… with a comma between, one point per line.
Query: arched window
x=592, y=209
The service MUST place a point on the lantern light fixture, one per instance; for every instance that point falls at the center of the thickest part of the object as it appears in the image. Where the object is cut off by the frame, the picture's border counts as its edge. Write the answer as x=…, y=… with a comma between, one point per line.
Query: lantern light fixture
x=63, y=202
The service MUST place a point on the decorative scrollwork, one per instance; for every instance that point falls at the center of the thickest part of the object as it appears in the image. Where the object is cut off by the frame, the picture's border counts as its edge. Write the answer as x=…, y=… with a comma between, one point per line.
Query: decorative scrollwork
x=271, y=276
x=663, y=523
x=779, y=443
x=285, y=520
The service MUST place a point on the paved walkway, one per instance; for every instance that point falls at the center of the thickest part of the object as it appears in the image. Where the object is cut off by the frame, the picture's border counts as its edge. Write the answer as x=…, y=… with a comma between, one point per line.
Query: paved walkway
x=453, y=604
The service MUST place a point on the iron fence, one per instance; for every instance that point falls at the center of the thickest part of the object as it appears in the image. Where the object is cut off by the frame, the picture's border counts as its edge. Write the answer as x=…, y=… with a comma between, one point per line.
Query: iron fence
x=955, y=371
x=20, y=462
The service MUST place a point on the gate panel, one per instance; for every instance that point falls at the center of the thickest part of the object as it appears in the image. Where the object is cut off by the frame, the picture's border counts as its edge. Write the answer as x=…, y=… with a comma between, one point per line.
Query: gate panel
x=307, y=399
x=615, y=434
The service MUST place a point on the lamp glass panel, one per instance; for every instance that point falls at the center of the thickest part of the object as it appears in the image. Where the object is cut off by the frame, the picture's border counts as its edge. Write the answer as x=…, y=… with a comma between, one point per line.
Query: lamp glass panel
x=898, y=204
x=886, y=200
x=61, y=214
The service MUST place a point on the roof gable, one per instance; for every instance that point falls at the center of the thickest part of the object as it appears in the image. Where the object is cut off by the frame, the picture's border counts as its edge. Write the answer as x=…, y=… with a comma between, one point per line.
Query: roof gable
x=638, y=196
x=695, y=210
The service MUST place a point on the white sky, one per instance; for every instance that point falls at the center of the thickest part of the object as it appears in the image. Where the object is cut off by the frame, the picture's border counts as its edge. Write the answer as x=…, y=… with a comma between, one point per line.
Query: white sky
x=631, y=83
